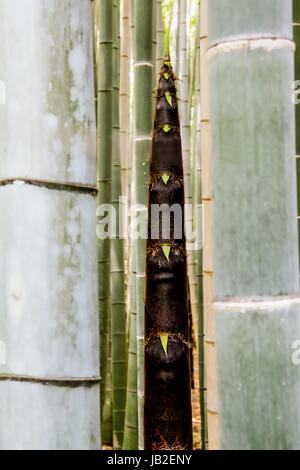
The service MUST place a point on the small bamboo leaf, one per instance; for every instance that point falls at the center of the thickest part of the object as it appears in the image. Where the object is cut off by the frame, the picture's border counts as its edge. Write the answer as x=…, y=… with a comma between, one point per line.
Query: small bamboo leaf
x=166, y=128
x=168, y=64
x=169, y=97
x=165, y=177
x=166, y=251
x=167, y=76
x=164, y=341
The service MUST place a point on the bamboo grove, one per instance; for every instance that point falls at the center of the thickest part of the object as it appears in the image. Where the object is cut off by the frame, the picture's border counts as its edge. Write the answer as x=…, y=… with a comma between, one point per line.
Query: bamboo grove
x=149, y=282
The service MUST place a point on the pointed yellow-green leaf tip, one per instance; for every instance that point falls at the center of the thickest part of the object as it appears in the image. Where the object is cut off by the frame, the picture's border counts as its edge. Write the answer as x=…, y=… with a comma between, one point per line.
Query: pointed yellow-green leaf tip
x=166, y=128
x=164, y=341
x=166, y=251
x=168, y=64
x=168, y=97
x=165, y=177
x=167, y=76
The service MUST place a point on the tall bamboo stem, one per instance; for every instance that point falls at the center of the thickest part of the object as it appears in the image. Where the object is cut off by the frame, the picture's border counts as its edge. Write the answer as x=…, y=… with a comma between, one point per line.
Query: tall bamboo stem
x=199, y=224
x=168, y=420
x=125, y=96
x=118, y=319
x=104, y=173
x=209, y=320
x=49, y=311
x=143, y=75
x=296, y=26
x=159, y=37
x=256, y=281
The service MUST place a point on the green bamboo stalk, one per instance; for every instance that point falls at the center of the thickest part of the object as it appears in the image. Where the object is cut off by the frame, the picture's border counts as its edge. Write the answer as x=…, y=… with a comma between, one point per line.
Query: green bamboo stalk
x=131, y=415
x=176, y=38
x=154, y=43
x=143, y=75
x=118, y=318
x=199, y=253
x=255, y=230
x=207, y=261
x=296, y=26
x=184, y=110
x=125, y=96
x=49, y=384
x=159, y=36
x=104, y=173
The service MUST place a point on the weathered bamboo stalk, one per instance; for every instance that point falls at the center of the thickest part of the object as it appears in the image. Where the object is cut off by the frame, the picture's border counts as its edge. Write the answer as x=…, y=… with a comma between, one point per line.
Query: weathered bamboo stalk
x=160, y=37
x=131, y=414
x=49, y=311
x=125, y=96
x=118, y=318
x=256, y=281
x=199, y=225
x=143, y=74
x=209, y=319
x=168, y=420
x=104, y=174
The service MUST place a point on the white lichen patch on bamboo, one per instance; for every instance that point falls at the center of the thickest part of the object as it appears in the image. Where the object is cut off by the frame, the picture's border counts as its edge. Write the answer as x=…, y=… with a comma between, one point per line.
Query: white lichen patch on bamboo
x=143, y=64
x=259, y=305
x=266, y=44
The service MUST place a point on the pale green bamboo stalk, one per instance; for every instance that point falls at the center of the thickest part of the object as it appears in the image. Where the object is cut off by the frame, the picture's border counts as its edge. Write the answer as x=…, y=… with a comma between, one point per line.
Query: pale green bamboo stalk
x=118, y=318
x=199, y=253
x=143, y=107
x=176, y=40
x=296, y=25
x=159, y=36
x=107, y=413
x=131, y=415
x=208, y=274
x=104, y=172
x=256, y=265
x=49, y=324
x=154, y=44
x=183, y=92
x=125, y=95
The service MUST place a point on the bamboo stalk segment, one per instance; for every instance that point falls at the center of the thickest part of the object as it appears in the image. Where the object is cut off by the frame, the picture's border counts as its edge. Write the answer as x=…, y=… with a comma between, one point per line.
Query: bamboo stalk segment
x=49, y=309
x=208, y=294
x=168, y=420
x=104, y=175
x=117, y=280
x=256, y=267
x=143, y=108
x=296, y=28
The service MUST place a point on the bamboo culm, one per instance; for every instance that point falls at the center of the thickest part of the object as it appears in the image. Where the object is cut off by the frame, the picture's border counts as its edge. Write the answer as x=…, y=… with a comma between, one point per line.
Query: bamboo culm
x=104, y=174
x=143, y=112
x=118, y=319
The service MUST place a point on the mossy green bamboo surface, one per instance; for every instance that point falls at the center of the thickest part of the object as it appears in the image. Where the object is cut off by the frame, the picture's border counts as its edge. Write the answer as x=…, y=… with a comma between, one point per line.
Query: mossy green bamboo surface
x=143, y=111
x=118, y=319
x=256, y=268
x=104, y=171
